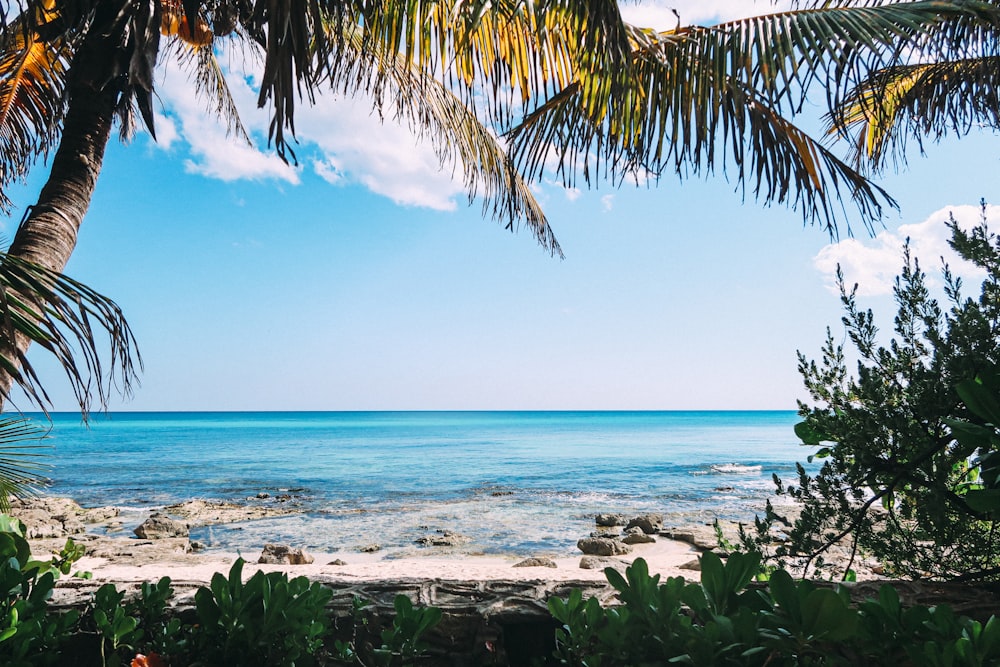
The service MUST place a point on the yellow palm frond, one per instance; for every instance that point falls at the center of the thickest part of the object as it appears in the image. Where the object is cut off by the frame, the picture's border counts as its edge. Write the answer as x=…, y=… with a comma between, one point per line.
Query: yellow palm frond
x=32, y=80
x=916, y=101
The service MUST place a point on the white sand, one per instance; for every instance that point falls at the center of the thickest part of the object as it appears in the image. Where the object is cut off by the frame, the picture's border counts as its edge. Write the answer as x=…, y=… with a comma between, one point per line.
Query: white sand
x=664, y=557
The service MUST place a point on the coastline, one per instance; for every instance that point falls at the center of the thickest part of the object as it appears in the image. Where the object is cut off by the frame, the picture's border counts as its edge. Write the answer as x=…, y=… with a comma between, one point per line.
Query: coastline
x=165, y=549
x=161, y=546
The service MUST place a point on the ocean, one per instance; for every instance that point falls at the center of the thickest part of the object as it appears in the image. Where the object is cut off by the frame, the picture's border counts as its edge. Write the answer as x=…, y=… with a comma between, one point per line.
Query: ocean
x=514, y=483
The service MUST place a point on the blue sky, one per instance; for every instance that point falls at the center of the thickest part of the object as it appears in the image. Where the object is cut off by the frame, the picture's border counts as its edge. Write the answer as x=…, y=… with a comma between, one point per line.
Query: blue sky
x=362, y=281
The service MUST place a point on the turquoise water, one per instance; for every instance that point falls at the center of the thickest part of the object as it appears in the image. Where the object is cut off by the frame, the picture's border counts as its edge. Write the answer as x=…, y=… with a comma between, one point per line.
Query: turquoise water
x=514, y=482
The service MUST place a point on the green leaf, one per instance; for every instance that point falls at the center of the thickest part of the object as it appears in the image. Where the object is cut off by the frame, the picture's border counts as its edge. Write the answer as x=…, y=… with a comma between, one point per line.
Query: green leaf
x=809, y=434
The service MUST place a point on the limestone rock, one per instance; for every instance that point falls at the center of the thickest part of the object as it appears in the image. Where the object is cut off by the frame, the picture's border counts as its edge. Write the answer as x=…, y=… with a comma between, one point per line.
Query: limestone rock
x=159, y=525
x=370, y=548
x=610, y=519
x=536, y=562
x=337, y=562
x=282, y=554
x=638, y=538
x=602, y=546
x=650, y=523
x=443, y=538
x=599, y=563
x=100, y=514
x=691, y=565
x=211, y=512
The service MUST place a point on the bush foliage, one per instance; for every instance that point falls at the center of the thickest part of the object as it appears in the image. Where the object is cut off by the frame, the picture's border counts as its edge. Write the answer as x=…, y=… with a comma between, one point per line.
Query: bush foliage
x=906, y=462
x=785, y=623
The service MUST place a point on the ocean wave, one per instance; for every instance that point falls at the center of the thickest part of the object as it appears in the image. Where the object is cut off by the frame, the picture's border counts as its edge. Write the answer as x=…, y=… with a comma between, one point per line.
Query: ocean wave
x=735, y=469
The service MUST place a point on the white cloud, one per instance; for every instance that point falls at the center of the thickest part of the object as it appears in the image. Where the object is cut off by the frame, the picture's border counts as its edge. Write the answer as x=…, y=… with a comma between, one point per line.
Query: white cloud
x=166, y=131
x=607, y=203
x=386, y=157
x=875, y=264
x=342, y=139
x=572, y=194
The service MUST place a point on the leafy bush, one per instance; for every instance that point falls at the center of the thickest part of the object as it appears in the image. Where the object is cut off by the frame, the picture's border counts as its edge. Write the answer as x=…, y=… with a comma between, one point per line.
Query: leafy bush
x=788, y=622
x=269, y=620
x=29, y=633
x=897, y=467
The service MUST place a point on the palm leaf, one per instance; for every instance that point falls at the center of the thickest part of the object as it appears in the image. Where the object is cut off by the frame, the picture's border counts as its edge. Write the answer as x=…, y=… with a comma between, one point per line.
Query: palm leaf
x=916, y=101
x=698, y=98
x=210, y=84
x=62, y=316
x=22, y=465
x=459, y=138
x=32, y=82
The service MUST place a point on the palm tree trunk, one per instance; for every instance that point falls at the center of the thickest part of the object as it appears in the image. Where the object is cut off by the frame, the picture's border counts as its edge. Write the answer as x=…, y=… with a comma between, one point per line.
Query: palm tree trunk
x=48, y=235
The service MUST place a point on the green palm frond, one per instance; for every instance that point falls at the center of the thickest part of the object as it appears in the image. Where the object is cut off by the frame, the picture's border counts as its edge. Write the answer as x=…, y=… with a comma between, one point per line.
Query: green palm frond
x=32, y=81
x=698, y=98
x=916, y=101
x=63, y=316
x=22, y=459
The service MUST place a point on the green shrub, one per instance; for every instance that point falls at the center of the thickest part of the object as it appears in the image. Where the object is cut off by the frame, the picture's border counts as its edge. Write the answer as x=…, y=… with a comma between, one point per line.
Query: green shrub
x=788, y=622
x=30, y=634
x=268, y=620
x=897, y=468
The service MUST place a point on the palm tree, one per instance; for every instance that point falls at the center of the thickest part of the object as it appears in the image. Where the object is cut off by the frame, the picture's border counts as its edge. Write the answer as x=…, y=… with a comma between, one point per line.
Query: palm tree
x=562, y=81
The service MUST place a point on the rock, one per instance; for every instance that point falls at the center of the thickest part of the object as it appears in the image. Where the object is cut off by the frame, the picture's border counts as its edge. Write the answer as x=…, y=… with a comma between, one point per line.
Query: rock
x=197, y=546
x=210, y=512
x=605, y=531
x=100, y=514
x=598, y=563
x=370, y=548
x=691, y=565
x=262, y=495
x=602, y=546
x=443, y=538
x=500, y=494
x=282, y=554
x=159, y=525
x=610, y=519
x=702, y=537
x=536, y=562
x=638, y=538
x=650, y=523
x=337, y=562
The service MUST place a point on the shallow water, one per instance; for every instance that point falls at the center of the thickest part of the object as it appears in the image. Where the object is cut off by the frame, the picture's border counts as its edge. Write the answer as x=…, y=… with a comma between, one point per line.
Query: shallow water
x=513, y=482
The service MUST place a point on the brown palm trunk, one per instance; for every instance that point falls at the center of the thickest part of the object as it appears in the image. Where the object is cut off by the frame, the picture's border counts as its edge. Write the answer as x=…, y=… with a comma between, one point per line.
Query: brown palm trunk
x=48, y=235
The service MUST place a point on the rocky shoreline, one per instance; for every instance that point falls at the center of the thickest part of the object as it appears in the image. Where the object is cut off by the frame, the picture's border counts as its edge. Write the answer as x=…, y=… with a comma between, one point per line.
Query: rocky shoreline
x=163, y=537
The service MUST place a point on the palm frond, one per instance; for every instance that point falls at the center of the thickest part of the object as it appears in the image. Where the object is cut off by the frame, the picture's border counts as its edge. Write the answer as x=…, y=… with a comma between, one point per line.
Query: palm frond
x=62, y=316
x=210, y=84
x=457, y=135
x=22, y=459
x=32, y=82
x=913, y=102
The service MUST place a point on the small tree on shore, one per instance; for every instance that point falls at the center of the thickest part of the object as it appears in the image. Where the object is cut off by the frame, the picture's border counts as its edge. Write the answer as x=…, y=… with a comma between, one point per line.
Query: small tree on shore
x=895, y=481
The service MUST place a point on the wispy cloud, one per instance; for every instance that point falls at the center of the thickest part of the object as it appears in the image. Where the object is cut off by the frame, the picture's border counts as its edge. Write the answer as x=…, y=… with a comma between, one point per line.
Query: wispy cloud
x=874, y=264
x=607, y=203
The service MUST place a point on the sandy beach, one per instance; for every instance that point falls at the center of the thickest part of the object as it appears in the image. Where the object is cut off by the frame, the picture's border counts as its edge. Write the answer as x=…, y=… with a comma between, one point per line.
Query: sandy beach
x=664, y=557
